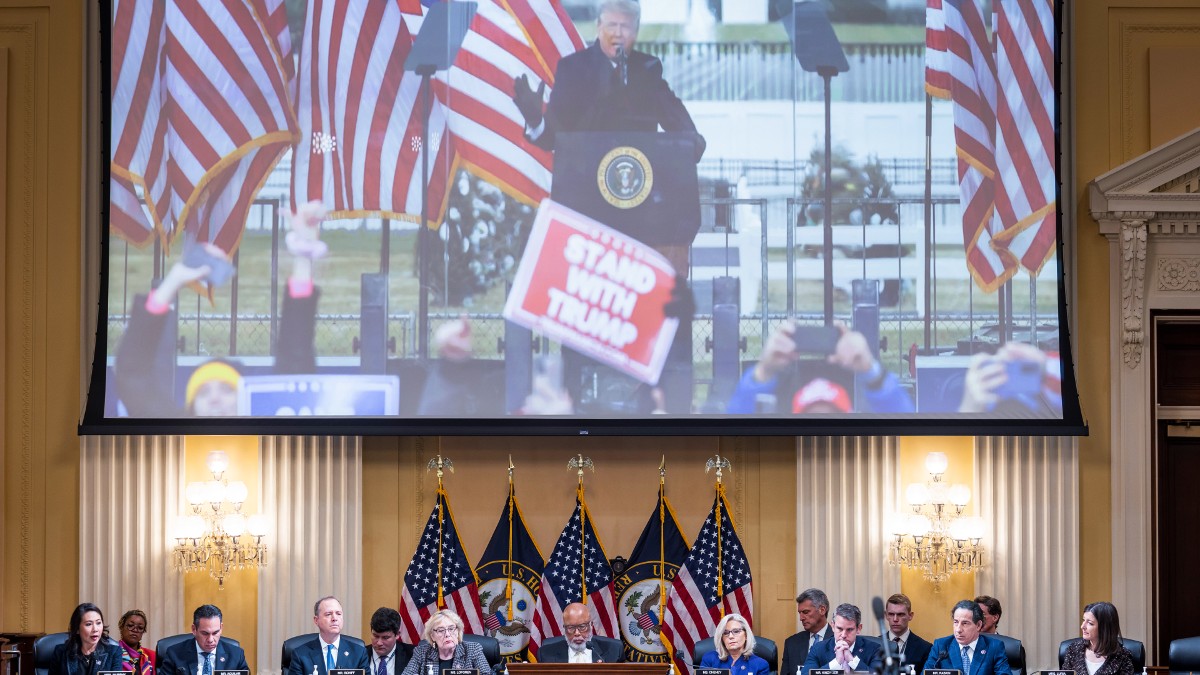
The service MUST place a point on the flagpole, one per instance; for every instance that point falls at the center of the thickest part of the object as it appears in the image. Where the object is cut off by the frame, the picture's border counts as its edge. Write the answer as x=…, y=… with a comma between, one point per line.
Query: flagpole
x=579, y=463
x=509, y=563
x=441, y=464
x=662, y=545
x=720, y=464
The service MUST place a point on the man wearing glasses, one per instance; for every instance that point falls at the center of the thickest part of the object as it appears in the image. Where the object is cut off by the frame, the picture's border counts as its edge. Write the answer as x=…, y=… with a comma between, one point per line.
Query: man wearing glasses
x=580, y=646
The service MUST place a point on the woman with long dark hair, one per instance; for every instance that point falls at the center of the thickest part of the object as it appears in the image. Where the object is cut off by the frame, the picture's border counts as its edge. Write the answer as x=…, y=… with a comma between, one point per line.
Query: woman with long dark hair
x=88, y=649
x=1100, y=652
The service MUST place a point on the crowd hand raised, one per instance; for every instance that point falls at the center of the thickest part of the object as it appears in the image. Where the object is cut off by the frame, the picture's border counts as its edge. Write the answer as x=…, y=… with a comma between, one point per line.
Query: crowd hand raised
x=528, y=101
x=181, y=275
x=452, y=340
x=985, y=374
x=304, y=231
x=852, y=351
x=778, y=353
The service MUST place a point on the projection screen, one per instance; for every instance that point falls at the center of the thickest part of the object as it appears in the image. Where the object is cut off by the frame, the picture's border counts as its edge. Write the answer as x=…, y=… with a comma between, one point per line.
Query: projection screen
x=582, y=217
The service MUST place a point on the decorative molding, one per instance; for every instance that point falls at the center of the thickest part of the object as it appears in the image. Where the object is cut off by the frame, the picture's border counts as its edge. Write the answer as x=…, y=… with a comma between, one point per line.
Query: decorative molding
x=1133, y=272
x=1178, y=274
x=1128, y=92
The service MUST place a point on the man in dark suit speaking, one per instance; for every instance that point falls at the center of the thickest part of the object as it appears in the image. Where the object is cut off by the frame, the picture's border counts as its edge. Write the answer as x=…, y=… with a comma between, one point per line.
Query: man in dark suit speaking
x=968, y=649
x=844, y=651
x=207, y=653
x=328, y=650
x=580, y=645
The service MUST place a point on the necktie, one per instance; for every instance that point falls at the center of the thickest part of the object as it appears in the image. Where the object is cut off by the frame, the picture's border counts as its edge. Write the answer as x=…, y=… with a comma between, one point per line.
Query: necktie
x=382, y=670
x=899, y=648
x=966, y=659
x=329, y=662
x=207, y=663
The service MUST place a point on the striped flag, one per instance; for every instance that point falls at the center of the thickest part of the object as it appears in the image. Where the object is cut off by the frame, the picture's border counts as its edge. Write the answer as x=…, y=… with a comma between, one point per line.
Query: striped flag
x=200, y=116
x=438, y=577
x=643, y=588
x=360, y=148
x=937, y=73
x=973, y=91
x=577, y=571
x=509, y=573
x=507, y=38
x=714, y=581
x=1025, y=141
x=273, y=16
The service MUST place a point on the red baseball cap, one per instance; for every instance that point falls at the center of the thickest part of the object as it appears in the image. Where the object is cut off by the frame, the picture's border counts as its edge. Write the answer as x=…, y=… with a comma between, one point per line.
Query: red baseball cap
x=821, y=390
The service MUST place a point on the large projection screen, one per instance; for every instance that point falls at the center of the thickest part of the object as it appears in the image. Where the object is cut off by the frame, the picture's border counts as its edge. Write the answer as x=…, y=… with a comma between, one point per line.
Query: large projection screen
x=582, y=217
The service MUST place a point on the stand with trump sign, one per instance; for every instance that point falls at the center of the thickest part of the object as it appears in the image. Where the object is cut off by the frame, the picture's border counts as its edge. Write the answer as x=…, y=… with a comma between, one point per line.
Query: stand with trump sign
x=595, y=290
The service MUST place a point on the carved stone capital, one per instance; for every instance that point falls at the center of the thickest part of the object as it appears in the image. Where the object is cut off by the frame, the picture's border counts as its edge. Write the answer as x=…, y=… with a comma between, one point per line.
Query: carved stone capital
x=1133, y=288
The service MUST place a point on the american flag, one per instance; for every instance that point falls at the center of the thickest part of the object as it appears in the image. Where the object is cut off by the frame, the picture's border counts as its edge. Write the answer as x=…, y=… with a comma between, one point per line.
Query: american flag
x=1025, y=145
x=201, y=116
x=937, y=73
x=714, y=581
x=438, y=577
x=360, y=148
x=973, y=90
x=577, y=571
x=507, y=38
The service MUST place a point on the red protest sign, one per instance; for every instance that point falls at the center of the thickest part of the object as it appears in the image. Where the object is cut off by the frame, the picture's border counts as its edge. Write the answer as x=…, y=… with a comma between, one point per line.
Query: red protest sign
x=595, y=290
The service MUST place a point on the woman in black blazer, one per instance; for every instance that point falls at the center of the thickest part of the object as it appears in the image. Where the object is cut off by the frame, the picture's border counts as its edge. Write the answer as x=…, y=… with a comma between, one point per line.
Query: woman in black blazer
x=1100, y=652
x=88, y=649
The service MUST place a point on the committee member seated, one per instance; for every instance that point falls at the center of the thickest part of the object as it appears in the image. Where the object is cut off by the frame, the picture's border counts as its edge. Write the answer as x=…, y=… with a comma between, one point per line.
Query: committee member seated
x=992, y=611
x=581, y=646
x=327, y=650
x=207, y=652
x=389, y=656
x=968, y=649
x=735, y=648
x=443, y=647
x=1100, y=652
x=87, y=650
x=812, y=606
x=135, y=658
x=913, y=650
x=845, y=651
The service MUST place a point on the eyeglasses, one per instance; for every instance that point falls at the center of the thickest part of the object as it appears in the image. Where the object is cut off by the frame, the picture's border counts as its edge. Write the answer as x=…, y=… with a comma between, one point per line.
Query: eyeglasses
x=733, y=631
x=577, y=628
x=445, y=631
x=134, y=628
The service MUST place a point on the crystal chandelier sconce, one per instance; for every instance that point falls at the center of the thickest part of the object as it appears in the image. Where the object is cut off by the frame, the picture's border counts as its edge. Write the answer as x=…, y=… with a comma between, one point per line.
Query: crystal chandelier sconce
x=935, y=537
x=216, y=535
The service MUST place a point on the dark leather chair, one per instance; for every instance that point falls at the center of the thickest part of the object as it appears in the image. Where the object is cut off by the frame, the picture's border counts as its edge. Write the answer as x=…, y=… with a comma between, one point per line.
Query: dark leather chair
x=1136, y=649
x=491, y=649
x=1184, y=655
x=290, y=645
x=557, y=639
x=172, y=640
x=43, y=651
x=1014, y=651
x=764, y=648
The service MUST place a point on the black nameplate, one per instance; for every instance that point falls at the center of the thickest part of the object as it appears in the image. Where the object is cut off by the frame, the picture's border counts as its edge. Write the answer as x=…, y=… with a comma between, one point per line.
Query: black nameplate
x=712, y=671
x=941, y=671
x=240, y=671
x=347, y=671
x=826, y=671
x=1056, y=672
x=460, y=671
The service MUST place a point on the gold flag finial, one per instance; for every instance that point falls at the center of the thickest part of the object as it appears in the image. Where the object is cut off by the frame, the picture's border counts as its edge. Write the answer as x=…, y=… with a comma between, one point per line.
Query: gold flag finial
x=441, y=464
x=721, y=464
x=578, y=463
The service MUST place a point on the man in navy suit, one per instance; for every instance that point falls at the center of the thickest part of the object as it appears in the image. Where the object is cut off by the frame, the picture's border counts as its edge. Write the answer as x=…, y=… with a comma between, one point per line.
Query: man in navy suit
x=580, y=646
x=968, y=649
x=910, y=646
x=328, y=650
x=812, y=606
x=207, y=652
x=844, y=651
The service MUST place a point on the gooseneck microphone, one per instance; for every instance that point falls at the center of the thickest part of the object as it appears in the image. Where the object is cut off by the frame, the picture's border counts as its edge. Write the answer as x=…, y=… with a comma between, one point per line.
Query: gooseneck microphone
x=891, y=664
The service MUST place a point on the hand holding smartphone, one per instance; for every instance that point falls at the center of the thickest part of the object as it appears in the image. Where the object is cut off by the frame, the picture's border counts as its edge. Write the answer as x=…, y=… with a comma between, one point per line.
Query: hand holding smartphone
x=197, y=255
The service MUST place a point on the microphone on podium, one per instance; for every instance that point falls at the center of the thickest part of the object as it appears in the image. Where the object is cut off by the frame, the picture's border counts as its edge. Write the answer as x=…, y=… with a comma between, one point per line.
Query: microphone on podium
x=891, y=664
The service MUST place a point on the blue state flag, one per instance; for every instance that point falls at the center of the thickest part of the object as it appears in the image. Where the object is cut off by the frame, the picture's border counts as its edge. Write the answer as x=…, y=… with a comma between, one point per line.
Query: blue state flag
x=642, y=589
x=510, y=574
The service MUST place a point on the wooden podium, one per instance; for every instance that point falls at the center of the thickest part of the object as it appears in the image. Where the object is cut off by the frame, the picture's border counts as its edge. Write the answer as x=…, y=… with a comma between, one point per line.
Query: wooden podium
x=588, y=668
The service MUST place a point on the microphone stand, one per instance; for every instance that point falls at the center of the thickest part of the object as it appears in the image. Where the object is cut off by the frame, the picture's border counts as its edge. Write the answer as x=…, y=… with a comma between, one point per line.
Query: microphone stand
x=891, y=662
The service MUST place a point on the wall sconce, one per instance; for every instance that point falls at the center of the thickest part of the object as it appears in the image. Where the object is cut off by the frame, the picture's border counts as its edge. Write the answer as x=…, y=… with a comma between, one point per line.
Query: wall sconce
x=217, y=536
x=936, y=538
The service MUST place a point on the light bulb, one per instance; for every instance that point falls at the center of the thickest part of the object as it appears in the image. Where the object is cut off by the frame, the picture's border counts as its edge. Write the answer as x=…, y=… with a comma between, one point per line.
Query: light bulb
x=194, y=527
x=237, y=492
x=217, y=462
x=214, y=492
x=916, y=494
x=936, y=463
x=234, y=524
x=920, y=525
x=195, y=493
x=257, y=525
x=960, y=494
